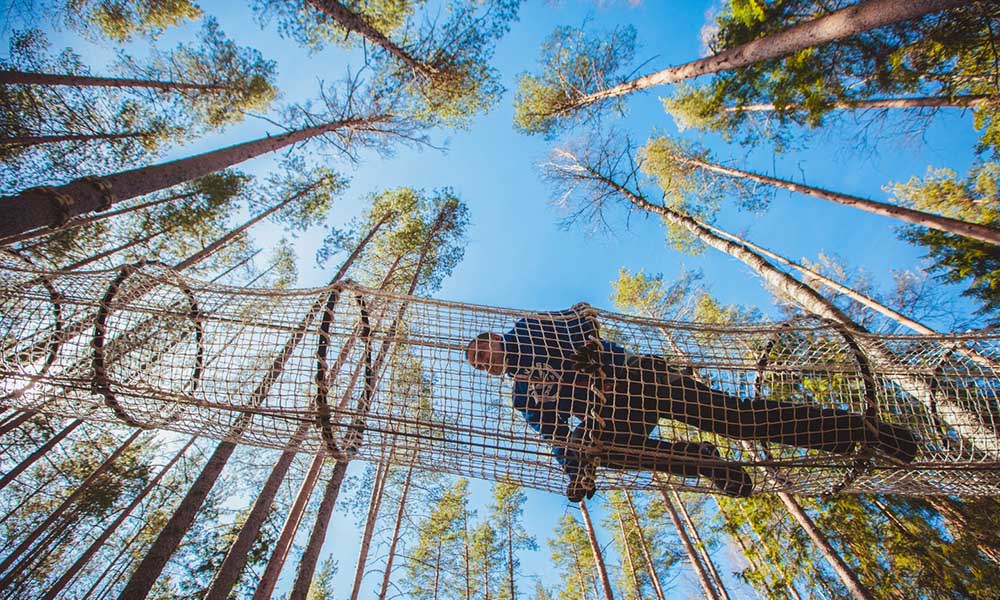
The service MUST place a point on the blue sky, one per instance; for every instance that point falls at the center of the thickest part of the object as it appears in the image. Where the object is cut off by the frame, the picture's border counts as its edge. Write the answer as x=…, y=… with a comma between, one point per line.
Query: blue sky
x=518, y=256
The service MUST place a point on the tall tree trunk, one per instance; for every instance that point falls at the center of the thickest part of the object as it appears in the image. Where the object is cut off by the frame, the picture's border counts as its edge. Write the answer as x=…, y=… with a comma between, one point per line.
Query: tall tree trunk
x=12, y=77
x=909, y=215
x=25, y=141
x=84, y=558
x=437, y=571
x=699, y=569
x=966, y=424
x=353, y=22
x=400, y=512
x=510, y=554
x=959, y=101
x=35, y=533
x=175, y=529
x=957, y=521
x=307, y=564
x=844, y=23
x=136, y=241
x=749, y=554
x=15, y=422
x=38, y=453
x=654, y=577
x=627, y=552
x=80, y=221
x=602, y=570
x=236, y=558
x=699, y=544
x=843, y=571
x=48, y=206
x=858, y=297
x=374, y=505
x=269, y=579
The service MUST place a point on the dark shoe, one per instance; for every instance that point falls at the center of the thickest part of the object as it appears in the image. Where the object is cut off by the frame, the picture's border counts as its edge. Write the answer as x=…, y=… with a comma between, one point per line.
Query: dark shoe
x=582, y=483
x=896, y=442
x=731, y=480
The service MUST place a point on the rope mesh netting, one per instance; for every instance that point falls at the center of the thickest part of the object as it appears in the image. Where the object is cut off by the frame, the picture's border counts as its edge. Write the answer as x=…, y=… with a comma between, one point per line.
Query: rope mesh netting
x=802, y=406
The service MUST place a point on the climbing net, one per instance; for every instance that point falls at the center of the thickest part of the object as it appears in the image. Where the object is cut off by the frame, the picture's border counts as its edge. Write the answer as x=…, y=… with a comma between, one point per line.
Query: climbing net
x=804, y=406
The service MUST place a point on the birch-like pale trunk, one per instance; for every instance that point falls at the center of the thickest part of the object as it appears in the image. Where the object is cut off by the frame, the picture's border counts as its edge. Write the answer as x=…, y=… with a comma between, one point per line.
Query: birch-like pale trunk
x=50, y=206
x=602, y=570
x=654, y=577
x=844, y=23
x=13, y=77
x=396, y=530
x=374, y=506
x=700, y=545
x=974, y=231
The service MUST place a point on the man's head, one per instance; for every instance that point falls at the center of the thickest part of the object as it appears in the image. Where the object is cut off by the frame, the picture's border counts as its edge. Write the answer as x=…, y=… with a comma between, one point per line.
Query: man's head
x=485, y=352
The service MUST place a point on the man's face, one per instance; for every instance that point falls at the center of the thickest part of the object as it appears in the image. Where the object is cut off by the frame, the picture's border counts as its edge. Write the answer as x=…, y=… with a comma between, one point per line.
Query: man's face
x=487, y=355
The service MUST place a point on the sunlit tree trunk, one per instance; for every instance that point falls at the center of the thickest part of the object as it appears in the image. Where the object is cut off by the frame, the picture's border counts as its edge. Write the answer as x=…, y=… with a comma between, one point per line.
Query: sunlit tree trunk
x=10, y=77
x=699, y=569
x=627, y=552
x=38, y=453
x=396, y=531
x=650, y=564
x=909, y=215
x=699, y=545
x=602, y=571
x=84, y=558
x=960, y=101
x=374, y=505
x=40, y=207
x=844, y=23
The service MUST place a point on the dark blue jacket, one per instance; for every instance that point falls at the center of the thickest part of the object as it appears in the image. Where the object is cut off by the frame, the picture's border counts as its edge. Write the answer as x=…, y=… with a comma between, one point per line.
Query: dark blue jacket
x=548, y=390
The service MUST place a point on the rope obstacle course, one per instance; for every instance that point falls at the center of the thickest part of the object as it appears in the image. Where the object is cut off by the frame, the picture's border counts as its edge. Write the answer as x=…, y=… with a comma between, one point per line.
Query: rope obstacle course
x=145, y=346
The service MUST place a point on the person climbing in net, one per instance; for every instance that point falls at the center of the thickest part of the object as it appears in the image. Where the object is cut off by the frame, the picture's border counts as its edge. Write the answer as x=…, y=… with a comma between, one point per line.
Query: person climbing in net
x=563, y=371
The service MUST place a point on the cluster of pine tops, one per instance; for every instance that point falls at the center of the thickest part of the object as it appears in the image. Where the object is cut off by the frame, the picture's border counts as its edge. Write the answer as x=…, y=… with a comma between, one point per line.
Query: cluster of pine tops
x=91, y=510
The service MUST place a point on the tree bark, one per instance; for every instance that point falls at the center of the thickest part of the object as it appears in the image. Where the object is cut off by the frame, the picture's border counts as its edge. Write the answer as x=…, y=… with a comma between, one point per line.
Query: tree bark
x=115, y=250
x=602, y=570
x=846, y=22
x=510, y=553
x=400, y=512
x=269, y=579
x=374, y=505
x=38, y=453
x=307, y=565
x=924, y=219
x=957, y=521
x=84, y=558
x=699, y=569
x=58, y=512
x=236, y=558
x=961, y=101
x=11, y=77
x=25, y=141
x=40, y=207
x=844, y=573
x=11, y=424
x=352, y=22
x=654, y=577
x=700, y=545
x=627, y=551
x=80, y=221
x=857, y=297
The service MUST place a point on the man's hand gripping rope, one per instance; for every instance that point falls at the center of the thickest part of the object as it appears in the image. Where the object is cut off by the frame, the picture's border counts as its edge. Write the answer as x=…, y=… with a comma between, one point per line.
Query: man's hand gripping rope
x=581, y=466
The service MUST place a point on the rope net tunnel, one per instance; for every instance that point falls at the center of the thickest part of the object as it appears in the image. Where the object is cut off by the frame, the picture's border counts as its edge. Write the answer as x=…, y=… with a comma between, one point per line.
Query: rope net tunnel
x=803, y=406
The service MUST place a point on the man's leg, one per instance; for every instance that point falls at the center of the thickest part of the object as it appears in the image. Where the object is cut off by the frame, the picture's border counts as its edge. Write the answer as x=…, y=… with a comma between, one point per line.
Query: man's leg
x=833, y=430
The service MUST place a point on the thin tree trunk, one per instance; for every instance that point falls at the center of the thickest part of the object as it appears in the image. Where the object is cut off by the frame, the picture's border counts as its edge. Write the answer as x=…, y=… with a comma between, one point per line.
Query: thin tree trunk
x=307, y=564
x=12, y=424
x=374, y=505
x=269, y=579
x=40, y=207
x=958, y=522
x=627, y=551
x=465, y=549
x=789, y=585
x=909, y=215
x=844, y=23
x=602, y=570
x=11, y=77
x=115, y=250
x=437, y=571
x=700, y=545
x=352, y=22
x=80, y=221
x=699, y=569
x=510, y=554
x=37, y=140
x=654, y=577
x=236, y=558
x=84, y=558
x=843, y=571
x=400, y=511
x=966, y=424
x=59, y=510
x=38, y=453
x=856, y=296
x=960, y=101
